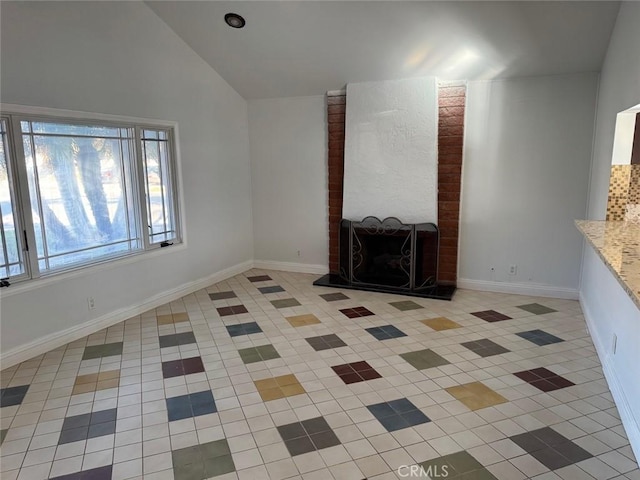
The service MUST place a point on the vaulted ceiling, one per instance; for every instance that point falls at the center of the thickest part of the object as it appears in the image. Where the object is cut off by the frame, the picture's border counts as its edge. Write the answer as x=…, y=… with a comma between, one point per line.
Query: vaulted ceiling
x=295, y=48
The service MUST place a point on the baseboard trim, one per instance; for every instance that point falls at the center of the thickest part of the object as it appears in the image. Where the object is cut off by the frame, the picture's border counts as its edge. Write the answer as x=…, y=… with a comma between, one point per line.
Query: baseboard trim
x=290, y=267
x=629, y=422
x=57, y=339
x=519, y=288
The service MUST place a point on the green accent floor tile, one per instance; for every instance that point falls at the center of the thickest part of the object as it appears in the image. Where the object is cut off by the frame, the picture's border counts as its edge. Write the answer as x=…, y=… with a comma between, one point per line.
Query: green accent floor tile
x=483, y=474
x=190, y=471
x=285, y=302
x=99, y=351
x=249, y=355
x=217, y=448
x=405, y=305
x=202, y=461
x=218, y=466
x=463, y=462
x=536, y=308
x=423, y=359
x=3, y=433
x=258, y=354
x=186, y=456
x=267, y=352
x=457, y=466
x=439, y=468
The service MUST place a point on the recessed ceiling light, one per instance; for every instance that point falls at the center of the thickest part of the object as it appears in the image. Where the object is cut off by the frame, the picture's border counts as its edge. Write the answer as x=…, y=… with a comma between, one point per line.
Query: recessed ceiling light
x=234, y=20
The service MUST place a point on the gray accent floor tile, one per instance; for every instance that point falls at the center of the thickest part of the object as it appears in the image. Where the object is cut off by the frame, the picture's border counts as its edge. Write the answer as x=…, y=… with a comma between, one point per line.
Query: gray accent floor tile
x=536, y=308
x=222, y=295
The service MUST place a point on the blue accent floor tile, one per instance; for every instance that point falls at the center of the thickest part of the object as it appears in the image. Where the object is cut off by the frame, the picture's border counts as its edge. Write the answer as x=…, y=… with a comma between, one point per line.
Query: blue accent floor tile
x=76, y=421
x=88, y=425
x=394, y=422
x=13, y=395
x=243, y=329
x=415, y=417
x=402, y=405
x=101, y=429
x=397, y=414
x=179, y=408
x=203, y=409
x=381, y=410
x=73, y=435
x=100, y=473
x=104, y=416
x=201, y=398
x=385, y=332
x=191, y=405
x=540, y=337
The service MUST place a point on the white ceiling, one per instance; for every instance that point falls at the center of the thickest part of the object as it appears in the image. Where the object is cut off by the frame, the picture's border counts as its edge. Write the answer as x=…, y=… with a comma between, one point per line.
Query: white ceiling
x=296, y=48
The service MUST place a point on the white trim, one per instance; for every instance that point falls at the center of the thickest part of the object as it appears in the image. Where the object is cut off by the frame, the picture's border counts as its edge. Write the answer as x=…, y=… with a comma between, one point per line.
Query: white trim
x=290, y=267
x=86, y=270
x=10, y=108
x=57, y=339
x=530, y=289
x=629, y=422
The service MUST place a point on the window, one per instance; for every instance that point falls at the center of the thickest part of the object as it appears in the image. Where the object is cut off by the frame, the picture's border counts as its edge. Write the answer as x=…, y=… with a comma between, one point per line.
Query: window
x=78, y=192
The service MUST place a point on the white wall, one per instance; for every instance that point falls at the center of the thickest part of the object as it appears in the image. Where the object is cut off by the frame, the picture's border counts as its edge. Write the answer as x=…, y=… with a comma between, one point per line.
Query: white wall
x=525, y=176
x=606, y=306
x=288, y=143
x=120, y=58
x=391, y=150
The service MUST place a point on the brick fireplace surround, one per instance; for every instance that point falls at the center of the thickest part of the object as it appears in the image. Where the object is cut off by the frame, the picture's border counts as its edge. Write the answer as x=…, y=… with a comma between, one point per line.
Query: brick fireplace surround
x=451, y=103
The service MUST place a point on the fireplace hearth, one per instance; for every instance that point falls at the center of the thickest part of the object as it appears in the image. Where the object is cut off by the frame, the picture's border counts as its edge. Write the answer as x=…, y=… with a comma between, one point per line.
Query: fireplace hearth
x=389, y=256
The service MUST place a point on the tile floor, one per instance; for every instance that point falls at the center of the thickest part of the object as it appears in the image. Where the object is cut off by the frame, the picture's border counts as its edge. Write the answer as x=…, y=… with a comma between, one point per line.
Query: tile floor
x=264, y=376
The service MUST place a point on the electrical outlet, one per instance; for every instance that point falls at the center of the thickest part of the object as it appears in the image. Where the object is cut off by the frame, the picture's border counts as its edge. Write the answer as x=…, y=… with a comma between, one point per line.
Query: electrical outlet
x=91, y=303
x=614, y=344
x=298, y=252
x=513, y=269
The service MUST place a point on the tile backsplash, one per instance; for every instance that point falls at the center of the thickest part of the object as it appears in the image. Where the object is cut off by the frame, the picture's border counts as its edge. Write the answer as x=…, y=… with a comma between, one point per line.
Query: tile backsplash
x=624, y=193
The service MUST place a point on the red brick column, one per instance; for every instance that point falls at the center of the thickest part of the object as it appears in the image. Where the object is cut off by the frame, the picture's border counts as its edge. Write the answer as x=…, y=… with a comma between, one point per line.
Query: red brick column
x=336, y=109
x=451, y=103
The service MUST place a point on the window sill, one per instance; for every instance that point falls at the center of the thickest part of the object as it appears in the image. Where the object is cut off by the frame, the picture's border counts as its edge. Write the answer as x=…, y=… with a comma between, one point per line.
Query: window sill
x=85, y=270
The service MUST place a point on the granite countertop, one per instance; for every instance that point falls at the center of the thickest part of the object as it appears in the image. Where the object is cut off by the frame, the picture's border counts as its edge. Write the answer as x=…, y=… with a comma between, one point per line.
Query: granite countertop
x=618, y=244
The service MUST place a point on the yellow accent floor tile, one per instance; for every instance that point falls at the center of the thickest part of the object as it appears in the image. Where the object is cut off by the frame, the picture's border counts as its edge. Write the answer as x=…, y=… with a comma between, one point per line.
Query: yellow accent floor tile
x=172, y=318
x=109, y=375
x=303, y=320
x=440, y=323
x=279, y=387
x=291, y=390
x=476, y=395
x=180, y=317
x=266, y=383
x=105, y=384
x=165, y=319
x=84, y=379
x=271, y=394
x=83, y=388
x=286, y=380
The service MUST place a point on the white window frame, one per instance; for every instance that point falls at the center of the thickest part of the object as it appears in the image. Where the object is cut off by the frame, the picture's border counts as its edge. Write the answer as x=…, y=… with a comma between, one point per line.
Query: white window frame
x=33, y=277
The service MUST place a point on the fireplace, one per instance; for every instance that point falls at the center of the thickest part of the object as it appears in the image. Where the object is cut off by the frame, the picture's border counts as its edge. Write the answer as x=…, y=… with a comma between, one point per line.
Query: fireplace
x=389, y=256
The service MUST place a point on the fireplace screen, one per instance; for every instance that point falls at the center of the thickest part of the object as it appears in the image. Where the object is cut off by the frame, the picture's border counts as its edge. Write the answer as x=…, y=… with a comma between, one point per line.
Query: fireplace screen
x=389, y=253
